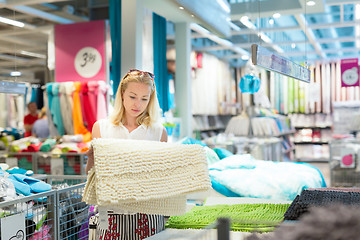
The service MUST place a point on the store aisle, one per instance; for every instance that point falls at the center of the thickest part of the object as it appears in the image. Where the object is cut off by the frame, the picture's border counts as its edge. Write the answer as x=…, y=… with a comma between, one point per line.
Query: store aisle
x=324, y=169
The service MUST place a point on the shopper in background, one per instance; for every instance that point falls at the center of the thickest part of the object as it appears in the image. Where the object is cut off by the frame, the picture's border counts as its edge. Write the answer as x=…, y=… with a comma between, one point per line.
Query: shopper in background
x=135, y=116
x=30, y=118
x=41, y=126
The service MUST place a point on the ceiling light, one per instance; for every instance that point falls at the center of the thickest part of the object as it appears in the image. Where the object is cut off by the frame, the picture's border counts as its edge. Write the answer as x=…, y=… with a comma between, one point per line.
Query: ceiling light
x=278, y=49
x=276, y=15
x=265, y=38
x=310, y=3
x=245, y=20
x=224, y=5
x=182, y=8
x=192, y=15
x=12, y=22
x=271, y=21
x=31, y=54
x=15, y=74
x=293, y=45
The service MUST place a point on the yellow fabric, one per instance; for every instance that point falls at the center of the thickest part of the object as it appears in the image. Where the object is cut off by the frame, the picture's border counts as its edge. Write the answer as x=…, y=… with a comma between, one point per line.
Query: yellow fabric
x=79, y=127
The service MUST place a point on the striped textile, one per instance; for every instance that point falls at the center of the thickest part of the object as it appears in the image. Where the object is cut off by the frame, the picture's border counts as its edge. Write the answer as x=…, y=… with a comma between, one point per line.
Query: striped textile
x=131, y=226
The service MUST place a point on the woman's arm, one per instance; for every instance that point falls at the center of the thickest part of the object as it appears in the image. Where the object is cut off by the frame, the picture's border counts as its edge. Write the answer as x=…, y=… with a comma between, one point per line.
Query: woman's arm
x=90, y=153
x=164, y=136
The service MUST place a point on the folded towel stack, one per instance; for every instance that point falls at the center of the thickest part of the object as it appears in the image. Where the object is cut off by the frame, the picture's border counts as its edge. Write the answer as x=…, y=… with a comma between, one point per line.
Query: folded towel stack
x=145, y=176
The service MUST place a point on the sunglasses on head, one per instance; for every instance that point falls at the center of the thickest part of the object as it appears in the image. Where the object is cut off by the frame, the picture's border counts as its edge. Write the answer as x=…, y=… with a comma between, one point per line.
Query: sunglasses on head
x=143, y=72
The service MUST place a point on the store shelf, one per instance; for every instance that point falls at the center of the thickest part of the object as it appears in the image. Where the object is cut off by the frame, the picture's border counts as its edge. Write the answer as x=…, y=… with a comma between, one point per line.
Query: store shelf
x=312, y=159
x=314, y=143
x=211, y=129
x=321, y=127
x=286, y=133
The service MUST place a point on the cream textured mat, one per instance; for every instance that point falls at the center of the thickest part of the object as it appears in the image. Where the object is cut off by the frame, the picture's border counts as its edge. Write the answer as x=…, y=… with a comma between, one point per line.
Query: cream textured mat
x=145, y=176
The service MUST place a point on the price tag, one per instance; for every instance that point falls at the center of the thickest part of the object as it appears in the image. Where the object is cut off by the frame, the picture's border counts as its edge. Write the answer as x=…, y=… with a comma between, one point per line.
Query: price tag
x=13, y=227
x=11, y=161
x=88, y=62
x=57, y=166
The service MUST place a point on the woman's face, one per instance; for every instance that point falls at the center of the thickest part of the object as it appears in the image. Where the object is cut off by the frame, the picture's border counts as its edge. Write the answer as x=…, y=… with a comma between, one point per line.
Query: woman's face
x=136, y=98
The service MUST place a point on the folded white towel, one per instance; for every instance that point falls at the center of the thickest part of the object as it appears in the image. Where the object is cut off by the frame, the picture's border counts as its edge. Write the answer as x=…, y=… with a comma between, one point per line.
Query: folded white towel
x=145, y=176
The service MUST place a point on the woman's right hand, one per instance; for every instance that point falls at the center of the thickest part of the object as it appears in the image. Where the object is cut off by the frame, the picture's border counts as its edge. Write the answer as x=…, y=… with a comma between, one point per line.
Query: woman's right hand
x=90, y=160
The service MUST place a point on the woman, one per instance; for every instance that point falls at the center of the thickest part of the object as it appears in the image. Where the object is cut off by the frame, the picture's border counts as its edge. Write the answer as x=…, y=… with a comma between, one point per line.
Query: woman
x=135, y=116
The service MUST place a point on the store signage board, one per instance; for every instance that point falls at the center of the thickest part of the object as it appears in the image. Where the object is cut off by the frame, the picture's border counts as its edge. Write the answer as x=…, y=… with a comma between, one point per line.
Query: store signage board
x=12, y=87
x=349, y=72
x=84, y=59
x=262, y=57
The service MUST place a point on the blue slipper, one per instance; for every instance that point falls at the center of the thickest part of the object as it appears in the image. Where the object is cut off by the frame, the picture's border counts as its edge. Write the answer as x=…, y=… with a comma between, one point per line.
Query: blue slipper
x=20, y=188
x=16, y=170
x=36, y=186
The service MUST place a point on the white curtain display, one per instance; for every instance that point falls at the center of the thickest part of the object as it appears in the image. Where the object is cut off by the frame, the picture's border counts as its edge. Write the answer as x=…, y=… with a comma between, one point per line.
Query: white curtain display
x=212, y=86
x=147, y=45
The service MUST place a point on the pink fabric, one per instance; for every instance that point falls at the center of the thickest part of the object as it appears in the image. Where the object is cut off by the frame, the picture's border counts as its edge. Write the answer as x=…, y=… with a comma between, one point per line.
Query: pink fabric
x=90, y=116
x=42, y=234
x=101, y=101
x=93, y=92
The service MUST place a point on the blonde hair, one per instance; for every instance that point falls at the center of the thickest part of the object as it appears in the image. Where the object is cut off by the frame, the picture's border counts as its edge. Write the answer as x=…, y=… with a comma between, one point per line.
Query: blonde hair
x=151, y=113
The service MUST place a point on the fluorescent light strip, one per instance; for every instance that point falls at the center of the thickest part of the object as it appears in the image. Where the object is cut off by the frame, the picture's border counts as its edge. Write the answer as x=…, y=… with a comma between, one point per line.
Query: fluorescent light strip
x=15, y=74
x=12, y=22
x=224, y=6
x=31, y=54
x=217, y=39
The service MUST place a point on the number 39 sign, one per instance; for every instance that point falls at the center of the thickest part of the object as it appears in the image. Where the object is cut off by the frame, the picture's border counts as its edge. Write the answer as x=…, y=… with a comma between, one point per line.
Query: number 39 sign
x=87, y=62
x=80, y=51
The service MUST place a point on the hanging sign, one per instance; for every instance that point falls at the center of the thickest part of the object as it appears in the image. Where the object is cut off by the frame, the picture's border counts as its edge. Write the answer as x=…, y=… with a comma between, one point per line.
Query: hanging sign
x=262, y=57
x=349, y=72
x=80, y=52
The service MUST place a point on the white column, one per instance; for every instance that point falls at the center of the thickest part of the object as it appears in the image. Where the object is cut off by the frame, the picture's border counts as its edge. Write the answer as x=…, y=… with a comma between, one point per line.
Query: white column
x=182, y=77
x=131, y=35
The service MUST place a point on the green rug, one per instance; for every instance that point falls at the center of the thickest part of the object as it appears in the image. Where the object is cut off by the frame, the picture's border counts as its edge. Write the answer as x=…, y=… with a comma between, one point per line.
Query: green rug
x=243, y=217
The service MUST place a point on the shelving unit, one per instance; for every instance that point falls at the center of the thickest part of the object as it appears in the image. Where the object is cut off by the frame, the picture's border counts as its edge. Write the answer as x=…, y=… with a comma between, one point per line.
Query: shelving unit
x=313, y=133
x=209, y=125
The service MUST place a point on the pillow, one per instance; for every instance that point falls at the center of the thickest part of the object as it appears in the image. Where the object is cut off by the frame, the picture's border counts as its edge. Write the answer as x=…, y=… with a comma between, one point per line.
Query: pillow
x=223, y=153
x=188, y=140
x=211, y=156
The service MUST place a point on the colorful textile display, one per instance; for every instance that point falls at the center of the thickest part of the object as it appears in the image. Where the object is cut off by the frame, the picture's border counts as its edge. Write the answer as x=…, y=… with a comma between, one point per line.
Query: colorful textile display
x=145, y=176
x=262, y=217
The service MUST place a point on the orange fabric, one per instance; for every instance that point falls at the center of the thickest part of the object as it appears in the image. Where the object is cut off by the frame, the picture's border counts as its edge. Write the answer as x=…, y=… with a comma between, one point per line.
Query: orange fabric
x=79, y=127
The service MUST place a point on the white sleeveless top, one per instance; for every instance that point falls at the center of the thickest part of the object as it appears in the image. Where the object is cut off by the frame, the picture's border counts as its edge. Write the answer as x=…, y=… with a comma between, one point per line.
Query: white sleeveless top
x=142, y=132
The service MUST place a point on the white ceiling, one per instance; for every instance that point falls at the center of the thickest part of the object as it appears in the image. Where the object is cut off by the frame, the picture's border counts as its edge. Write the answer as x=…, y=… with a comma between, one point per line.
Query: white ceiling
x=326, y=31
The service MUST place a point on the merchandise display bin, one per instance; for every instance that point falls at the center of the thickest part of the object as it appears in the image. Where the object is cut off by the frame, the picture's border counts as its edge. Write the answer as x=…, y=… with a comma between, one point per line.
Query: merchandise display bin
x=72, y=212
x=25, y=160
x=56, y=214
x=344, y=163
x=60, y=164
x=40, y=215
